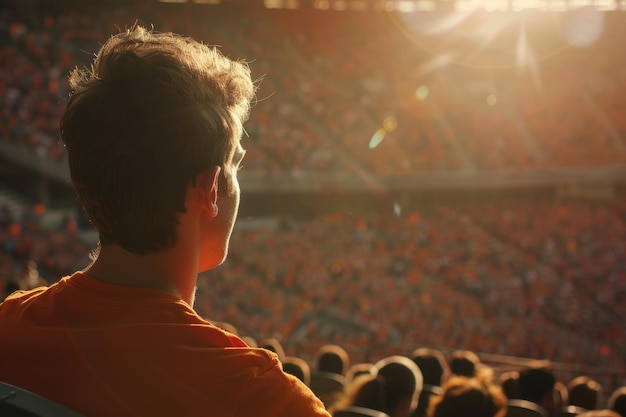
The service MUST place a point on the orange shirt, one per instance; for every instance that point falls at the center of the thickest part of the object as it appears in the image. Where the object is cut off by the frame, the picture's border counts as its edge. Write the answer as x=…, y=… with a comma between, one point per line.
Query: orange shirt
x=109, y=350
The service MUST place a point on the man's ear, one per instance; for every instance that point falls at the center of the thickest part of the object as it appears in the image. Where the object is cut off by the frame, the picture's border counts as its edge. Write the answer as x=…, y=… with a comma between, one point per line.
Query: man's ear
x=208, y=183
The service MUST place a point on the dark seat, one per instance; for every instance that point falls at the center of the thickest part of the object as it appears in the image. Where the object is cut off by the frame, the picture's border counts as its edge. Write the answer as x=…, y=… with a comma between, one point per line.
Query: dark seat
x=359, y=412
x=17, y=402
x=323, y=382
x=327, y=386
x=523, y=408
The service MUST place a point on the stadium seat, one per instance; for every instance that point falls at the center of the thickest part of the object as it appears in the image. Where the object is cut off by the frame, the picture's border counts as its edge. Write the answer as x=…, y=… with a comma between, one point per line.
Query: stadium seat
x=327, y=386
x=523, y=408
x=323, y=382
x=17, y=402
x=359, y=412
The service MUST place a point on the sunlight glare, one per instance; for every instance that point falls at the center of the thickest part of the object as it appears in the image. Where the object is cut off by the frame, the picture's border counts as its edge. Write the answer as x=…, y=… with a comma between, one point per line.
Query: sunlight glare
x=444, y=24
x=438, y=62
x=585, y=27
x=524, y=53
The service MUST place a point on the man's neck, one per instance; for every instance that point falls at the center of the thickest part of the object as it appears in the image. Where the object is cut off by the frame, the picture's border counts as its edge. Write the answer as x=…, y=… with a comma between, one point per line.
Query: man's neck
x=165, y=271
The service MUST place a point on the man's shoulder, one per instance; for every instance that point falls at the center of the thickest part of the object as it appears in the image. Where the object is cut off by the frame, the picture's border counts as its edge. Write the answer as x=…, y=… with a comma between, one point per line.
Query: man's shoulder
x=19, y=299
x=252, y=379
x=280, y=394
x=19, y=296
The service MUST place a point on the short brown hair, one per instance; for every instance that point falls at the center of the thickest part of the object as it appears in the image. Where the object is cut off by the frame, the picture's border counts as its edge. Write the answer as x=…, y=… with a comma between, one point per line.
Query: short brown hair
x=462, y=396
x=152, y=112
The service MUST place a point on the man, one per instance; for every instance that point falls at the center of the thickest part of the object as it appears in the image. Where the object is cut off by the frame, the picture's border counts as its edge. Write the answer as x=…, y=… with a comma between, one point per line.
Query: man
x=584, y=392
x=152, y=133
x=537, y=385
x=468, y=397
x=403, y=383
x=393, y=388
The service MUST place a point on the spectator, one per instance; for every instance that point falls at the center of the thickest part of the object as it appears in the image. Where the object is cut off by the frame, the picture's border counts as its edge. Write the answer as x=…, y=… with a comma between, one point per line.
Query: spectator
x=433, y=365
x=537, y=386
x=250, y=341
x=359, y=369
x=584, y=392
x=273, y=345
x=463, y=363
x=121, y=330
x=435, y=370
x=364, y=391
x=332, y=358
x=468, y=397
x=617, y=401
x=402, y=382
x=299, y=368
x=509, y=381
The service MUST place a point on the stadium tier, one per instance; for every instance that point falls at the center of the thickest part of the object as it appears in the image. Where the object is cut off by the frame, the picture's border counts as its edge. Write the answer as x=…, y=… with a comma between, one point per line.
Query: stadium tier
x=369, y=93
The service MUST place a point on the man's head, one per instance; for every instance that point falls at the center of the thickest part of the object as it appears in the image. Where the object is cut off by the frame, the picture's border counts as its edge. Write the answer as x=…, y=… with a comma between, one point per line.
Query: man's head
x=584, y=392
x=469, y=397
x=155, y=114
x=509, y=381
x=537, y=385
x=463, y=363
x=403, y=384
x=617, y=401
x=332, y=358
x=433, y=365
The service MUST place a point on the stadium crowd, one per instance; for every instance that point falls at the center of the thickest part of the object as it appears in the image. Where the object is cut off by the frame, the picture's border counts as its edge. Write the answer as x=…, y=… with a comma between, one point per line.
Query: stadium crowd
x=552, y=283
x=536, y=280
x=549, y=276
x=324, y=108
x=30, y=250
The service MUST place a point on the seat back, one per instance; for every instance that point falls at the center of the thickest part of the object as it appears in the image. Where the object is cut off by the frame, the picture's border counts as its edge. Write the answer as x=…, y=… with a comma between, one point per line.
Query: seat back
x=523, y=408
x=359, y=412
x=327, y=386
x=323, y=382
x=18, y=402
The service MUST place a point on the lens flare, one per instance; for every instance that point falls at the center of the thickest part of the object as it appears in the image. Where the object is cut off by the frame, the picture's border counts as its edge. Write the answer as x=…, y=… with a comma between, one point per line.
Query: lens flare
x=584, y=27
x=390, y=124
x=422, y=92
x=397, y=209
x=377, y=138
x=484, y=37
